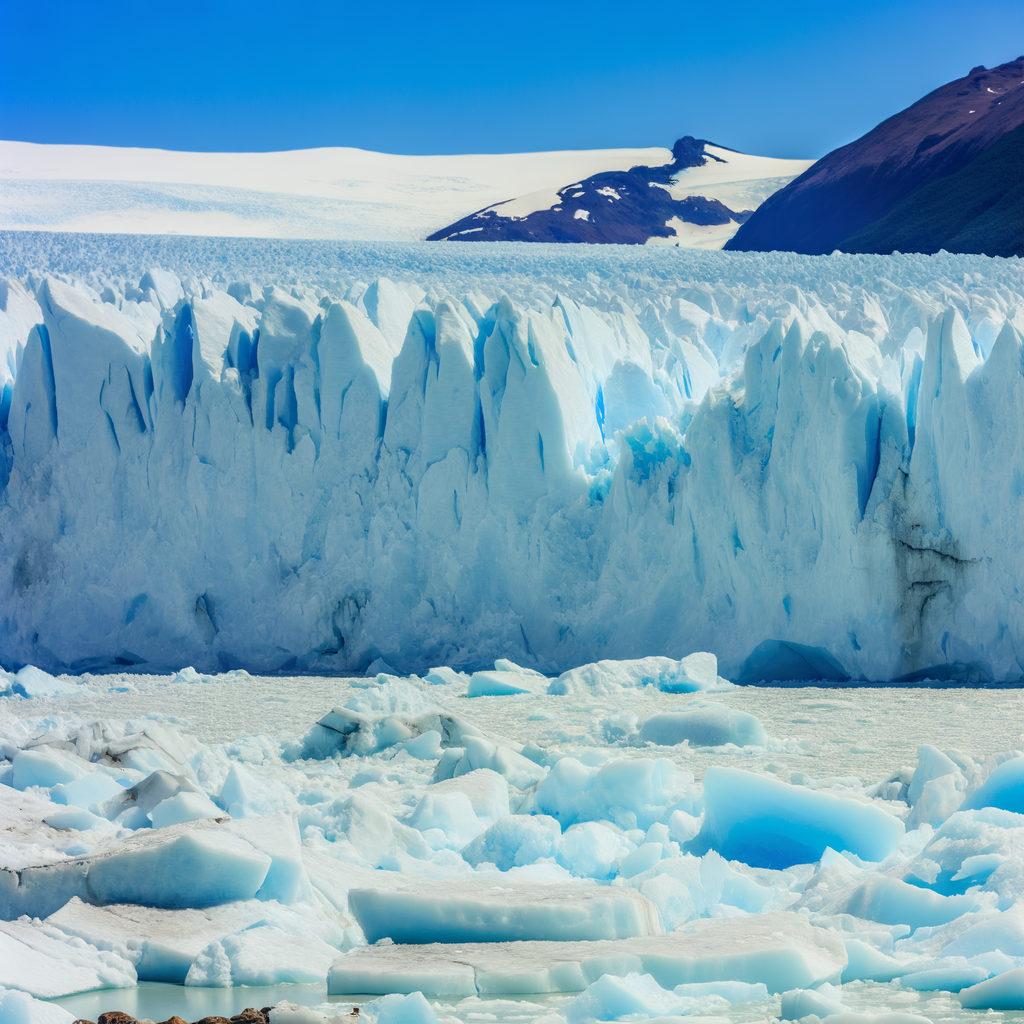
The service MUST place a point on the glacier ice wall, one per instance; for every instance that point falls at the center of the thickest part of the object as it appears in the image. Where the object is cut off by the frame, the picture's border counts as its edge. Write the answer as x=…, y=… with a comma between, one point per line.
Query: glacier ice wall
x=813, y=467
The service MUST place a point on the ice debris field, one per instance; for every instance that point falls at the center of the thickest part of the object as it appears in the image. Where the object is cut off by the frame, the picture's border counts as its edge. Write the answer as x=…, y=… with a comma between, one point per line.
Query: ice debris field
x=312, y=457
x=501, y=530
x=634, y=840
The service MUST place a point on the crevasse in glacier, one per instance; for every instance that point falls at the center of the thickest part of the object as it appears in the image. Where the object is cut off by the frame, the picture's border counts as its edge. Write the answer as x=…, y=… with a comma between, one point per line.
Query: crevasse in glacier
x=811, y=467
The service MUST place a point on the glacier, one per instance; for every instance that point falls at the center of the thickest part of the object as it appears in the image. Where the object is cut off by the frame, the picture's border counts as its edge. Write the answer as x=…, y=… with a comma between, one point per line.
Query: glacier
x=502, y=530
x=303, y=457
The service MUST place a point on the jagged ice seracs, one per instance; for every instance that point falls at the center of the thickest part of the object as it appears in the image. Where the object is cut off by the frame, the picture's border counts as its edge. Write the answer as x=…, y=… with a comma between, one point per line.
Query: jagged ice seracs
x=298, y=456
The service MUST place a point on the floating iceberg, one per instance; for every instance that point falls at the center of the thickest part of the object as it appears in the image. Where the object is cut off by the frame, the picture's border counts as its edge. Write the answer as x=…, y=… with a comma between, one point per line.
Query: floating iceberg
x=704, y=727
x=822, y=1003
x=482, y=912
x=506, y=681
x=1004, y=788
x=639, y=996
x=764, y=822
x=1005, y=992
x=777, y=950
x=30, y=681
x=695, y=672
x=196, y=864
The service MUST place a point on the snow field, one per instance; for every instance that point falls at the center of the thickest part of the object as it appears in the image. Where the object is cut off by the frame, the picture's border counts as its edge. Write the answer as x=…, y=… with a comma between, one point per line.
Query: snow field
x=615, y=843
x=322, y=193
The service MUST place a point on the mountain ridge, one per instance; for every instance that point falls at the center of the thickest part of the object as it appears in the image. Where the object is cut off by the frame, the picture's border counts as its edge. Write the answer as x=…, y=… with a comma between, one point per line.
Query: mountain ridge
x=978, y=209
x=642, y=205
x=858, y=184
x=624, y=207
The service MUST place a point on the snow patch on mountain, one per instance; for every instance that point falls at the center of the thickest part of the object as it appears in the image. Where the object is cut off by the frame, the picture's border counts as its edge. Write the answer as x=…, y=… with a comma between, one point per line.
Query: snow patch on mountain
x=676, y=203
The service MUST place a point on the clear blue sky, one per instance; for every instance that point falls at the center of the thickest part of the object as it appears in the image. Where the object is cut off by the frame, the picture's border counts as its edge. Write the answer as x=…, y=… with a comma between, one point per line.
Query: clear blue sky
x=792, y=78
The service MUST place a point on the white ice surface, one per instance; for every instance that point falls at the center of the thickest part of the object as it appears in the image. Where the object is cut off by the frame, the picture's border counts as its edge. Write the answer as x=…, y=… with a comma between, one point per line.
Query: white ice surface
x=43, y=961
x=777, y=950
x=739, y=180
x=639, y=996
x=695, y=236
x=319, y=193
x=338, y=193
x=733, y=169
x=533, y=202
x=484, y=911
x=30, y=681
x=765, y=822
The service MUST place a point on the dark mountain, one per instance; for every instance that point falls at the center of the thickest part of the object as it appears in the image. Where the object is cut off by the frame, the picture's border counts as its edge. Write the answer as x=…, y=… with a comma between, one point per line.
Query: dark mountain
x=626, y=207
x=856, y=186
x=978, y=209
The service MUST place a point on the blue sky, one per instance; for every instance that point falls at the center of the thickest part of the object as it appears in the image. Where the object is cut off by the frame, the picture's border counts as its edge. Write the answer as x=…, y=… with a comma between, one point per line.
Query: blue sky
x=784, y=79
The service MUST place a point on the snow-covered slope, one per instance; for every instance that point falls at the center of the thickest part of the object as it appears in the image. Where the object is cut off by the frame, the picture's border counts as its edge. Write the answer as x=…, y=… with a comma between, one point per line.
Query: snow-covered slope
x=698, y=200
x=439, y=454
x=318, y=193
